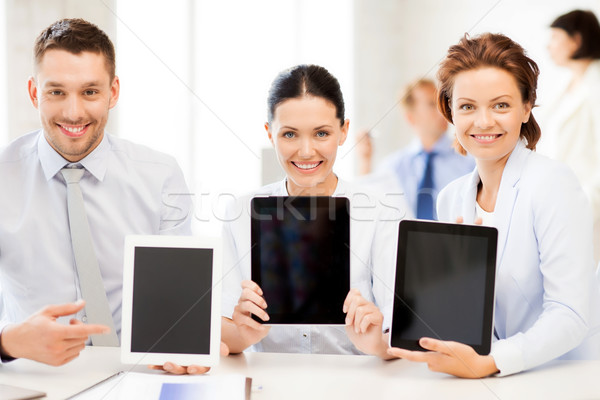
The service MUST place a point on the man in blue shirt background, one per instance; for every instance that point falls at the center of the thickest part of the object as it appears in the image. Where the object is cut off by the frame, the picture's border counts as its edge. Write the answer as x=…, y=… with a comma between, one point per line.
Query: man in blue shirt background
x=427, y=164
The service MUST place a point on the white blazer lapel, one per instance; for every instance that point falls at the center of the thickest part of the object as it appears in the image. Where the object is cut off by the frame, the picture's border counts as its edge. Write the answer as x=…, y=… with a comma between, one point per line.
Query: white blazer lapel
x=507, y=195
x=469, y=198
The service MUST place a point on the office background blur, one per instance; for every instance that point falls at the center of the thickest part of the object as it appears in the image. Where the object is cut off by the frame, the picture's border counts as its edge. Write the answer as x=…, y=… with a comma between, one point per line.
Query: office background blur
x=195, y=73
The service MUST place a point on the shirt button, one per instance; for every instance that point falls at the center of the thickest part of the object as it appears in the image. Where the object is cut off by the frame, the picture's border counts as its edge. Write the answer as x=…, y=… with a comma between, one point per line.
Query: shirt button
x=84, y=318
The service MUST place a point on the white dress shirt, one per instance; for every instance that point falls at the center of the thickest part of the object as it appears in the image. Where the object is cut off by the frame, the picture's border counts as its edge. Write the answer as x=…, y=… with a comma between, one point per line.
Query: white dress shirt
x=547, y=297
x=127, y=189
x=487, y=217
x=373, y=244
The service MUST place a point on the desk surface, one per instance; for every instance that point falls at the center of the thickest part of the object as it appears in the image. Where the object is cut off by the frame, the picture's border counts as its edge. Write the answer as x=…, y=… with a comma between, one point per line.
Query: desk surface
x=301, y=376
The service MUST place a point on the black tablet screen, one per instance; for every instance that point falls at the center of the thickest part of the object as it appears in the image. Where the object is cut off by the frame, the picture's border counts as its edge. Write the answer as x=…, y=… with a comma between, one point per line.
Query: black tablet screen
x=171, y=300
x=444, y=284
x=301, y=257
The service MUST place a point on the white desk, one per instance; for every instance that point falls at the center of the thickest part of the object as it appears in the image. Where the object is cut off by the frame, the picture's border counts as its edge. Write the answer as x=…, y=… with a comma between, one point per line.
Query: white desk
x=312, y=377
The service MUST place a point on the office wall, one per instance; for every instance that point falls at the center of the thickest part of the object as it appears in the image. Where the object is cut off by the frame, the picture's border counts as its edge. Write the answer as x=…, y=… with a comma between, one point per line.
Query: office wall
x=393, y=42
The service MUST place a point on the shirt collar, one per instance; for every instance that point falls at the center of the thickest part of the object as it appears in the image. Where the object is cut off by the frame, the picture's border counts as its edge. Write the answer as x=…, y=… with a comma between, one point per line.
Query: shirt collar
x=95, y=163
x=442, y=146
x=282, y=188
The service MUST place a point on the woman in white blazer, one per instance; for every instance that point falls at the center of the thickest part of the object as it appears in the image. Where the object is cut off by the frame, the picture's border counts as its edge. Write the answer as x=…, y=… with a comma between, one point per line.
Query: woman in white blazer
x=547, y=299
x=571, y=122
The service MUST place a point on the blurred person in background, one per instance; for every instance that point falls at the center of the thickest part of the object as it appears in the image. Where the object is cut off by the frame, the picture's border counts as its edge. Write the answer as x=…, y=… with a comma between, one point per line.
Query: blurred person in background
x=427, y=164
x=571, y=123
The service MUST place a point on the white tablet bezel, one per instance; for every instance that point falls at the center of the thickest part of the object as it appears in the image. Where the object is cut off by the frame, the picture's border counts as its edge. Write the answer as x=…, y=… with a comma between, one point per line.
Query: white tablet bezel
x=201, y=242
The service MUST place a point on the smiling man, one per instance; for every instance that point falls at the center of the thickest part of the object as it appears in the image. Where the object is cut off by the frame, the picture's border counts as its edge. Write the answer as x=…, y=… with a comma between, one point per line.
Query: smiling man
x=72, y=193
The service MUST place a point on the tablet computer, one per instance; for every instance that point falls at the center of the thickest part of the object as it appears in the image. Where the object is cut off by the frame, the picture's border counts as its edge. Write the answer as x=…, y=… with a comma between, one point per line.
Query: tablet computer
x=171, y=300
x=301, y=257
x=444, y=289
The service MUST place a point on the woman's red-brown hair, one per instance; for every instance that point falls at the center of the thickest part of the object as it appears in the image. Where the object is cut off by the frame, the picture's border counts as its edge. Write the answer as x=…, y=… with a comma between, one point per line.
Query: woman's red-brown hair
x=490, y=50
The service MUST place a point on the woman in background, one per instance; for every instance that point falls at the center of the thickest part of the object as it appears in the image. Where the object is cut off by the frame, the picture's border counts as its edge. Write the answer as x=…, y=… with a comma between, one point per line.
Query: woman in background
x=571, y=123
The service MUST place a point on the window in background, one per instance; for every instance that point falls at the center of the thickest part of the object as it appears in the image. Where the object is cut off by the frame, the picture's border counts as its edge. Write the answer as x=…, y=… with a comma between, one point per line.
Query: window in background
x=195, y=75
x=4, y=78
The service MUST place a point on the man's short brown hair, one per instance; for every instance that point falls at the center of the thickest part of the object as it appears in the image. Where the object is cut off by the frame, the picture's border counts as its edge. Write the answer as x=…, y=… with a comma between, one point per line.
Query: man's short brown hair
x=75, y=36
x=407, y=99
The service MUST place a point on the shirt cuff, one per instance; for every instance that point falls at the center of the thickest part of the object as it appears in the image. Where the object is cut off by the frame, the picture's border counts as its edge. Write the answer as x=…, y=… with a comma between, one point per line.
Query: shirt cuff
x=4, y=358
x=387, y=318
x=508, y=357
x=227, y=307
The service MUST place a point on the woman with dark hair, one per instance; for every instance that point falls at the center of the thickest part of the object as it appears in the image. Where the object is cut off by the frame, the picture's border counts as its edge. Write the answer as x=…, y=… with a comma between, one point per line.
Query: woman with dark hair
x=306, y=125
x=571, y=122
x=547, y=302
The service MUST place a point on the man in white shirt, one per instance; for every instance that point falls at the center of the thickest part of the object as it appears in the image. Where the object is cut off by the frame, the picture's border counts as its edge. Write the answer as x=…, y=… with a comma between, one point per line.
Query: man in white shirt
x=127, y=189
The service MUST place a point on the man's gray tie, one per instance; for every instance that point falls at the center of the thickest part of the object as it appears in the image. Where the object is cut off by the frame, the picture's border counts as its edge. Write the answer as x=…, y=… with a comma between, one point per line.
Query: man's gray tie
x=90, y=280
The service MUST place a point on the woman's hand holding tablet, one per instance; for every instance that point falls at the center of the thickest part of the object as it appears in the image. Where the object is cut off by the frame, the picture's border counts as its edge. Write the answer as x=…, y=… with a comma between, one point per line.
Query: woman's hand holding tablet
x=364, y=325
x=449, y=357
x=242, y=331
x=251, y=302
x=364, y=328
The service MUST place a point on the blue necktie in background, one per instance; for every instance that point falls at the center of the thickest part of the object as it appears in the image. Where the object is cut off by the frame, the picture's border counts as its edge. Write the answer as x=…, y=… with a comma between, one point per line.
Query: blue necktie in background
x=425, y=202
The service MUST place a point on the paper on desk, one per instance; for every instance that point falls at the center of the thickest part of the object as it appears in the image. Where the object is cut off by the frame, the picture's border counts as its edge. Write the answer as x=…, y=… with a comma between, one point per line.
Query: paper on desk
x=136, y=385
